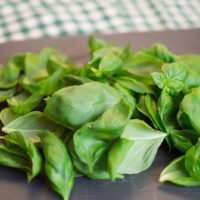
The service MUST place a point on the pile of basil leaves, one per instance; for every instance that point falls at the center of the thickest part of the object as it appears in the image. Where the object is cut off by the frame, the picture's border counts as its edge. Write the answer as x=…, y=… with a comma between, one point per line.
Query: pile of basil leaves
x=103, y=120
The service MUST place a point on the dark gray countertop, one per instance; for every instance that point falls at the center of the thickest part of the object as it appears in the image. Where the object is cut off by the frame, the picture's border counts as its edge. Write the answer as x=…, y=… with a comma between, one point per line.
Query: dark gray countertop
x=143, y=186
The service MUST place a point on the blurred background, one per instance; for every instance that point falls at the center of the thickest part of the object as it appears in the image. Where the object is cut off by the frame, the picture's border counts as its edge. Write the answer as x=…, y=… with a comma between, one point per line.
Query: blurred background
x=28, y=19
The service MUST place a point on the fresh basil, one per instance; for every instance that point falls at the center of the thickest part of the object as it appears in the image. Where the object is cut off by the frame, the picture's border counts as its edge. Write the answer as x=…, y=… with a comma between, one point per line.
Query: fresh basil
x=74, y=106
x=135, y=151
x=58, y=165
x=173, y=77
x=112, y=113
x=20, y=152
x=176, y=173
x=31, y=124
x=24, y=102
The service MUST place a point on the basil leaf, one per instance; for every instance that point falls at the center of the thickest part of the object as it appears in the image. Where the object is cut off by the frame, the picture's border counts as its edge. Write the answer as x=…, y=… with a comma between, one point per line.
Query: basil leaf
x=108, y=65
x=140, y=66
x=193, y=61
x=99, y=171
x=58, y=165
x=46, y=86
x=152, y=109
x=24, y=102
x=183, y=139
x=134, y=85
x=70, y=80
x=176, y=173
x=56, y=62
x=16, y=61
x=10, y=73
x=7, y=115
x=126, y=93
x=135, y=151
x=104, y=63
x=97, y=44
x=192, y=80
x=192, y=160
x=159, y=79
x=141, y=106
x=5, y=94
x=74, y=106
x=173, y=79
x=167, y=110
x=160, y=51
x=31, y=124
x=13, y=157
x=19, y=152
x=189, y=109
x=36, y=64
x=32, y=154
x=93, y=139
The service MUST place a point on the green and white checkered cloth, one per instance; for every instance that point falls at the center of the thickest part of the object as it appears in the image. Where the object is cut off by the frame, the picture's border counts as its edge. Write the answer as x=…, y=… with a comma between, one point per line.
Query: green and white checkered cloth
x=25, y=19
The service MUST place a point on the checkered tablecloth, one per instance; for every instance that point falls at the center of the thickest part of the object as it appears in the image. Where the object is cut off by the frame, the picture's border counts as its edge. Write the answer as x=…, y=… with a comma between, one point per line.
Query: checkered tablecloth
x=25, y=19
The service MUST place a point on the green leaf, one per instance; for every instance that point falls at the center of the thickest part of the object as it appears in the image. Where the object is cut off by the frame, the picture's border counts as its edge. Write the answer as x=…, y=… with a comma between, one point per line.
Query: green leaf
x=97, y=44
x=100, y=169
x=35, y=67
x=106, y=59
x=159, y=79
x=126, y=52
x=31, y=124
x=160, y=51
x=24, y=102
x=134, y=85
x=36, y=64
x=141, y=106
x=109, y=64
x=140, y=66
x=183, y=120
x=104, y=63
x=173, y=80
x=13, y=157
x=175, y=71
x=55, y=62
x=70, y=79
x=180, y=142
x=126, y=93
x=193, y=61
x=74, y=106
x=10, y=73
x=31, y=153
x=100, y=53
x=192, y=80
x=5, y=94
x=7, y=115
x=93, y=139
x=183, y=139
x=13, y=67
x=167, y=110
x=135, y=151
x=192, y=160
x=176, y=173
x=58, y=165
x=190, y=109
x=46, y=86
x=44, y=72
x=153, y=113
